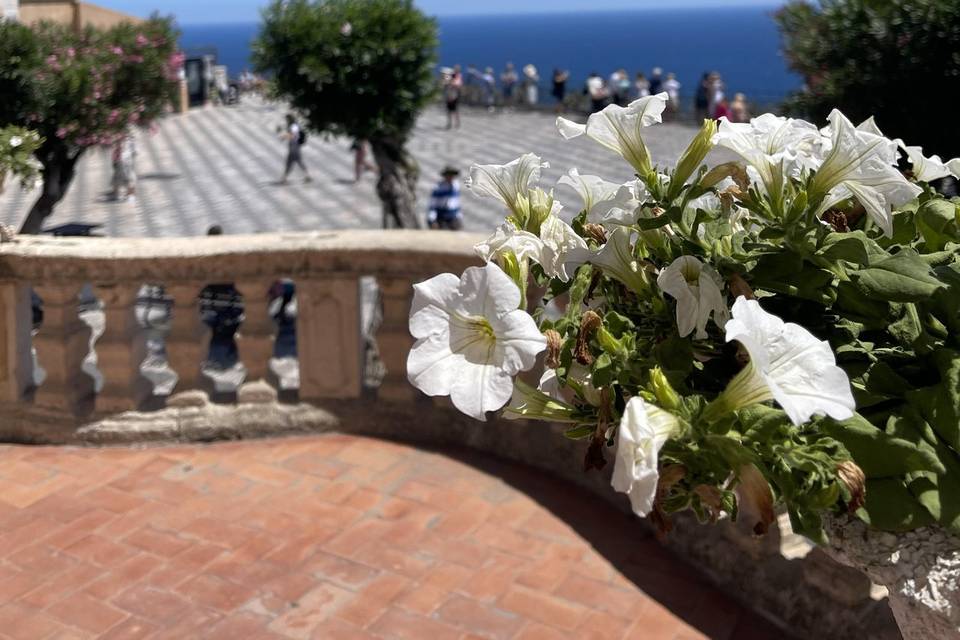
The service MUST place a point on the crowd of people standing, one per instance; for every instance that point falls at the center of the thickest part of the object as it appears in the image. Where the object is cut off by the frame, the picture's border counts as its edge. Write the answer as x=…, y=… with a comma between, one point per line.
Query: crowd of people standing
x=513, y=89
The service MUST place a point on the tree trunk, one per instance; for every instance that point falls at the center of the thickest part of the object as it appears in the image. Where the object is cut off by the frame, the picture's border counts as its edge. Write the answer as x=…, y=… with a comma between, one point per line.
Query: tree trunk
x=398, y=182
x=58, y=172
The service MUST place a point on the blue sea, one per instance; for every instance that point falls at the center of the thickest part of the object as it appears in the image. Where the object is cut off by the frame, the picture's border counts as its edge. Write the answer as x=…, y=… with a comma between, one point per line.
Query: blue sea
x=742, y=43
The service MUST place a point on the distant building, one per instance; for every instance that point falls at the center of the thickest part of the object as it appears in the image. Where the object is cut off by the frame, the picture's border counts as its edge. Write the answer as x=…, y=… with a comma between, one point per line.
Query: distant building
x=69, y=12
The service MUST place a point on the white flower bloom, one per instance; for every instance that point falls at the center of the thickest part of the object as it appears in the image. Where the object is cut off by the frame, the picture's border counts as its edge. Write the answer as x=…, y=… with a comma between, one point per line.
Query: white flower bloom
x=860, y=165
x=787, y=364
x=506, y=182
x=15, y=141
x=774, y=146
x=591, y=189
x=544, y=403
x=617, y=260
x=621, y=209
x=926, y=169
x=954, y=166
x=471, y=338
x=643, y=431
x=508, y=238
x=563, y=250
x=696, y=288
x=618, y=128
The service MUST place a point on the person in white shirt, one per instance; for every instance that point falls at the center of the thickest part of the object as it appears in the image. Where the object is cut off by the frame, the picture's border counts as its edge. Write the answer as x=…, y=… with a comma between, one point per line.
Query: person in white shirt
x=295, y=139
x=672, y=87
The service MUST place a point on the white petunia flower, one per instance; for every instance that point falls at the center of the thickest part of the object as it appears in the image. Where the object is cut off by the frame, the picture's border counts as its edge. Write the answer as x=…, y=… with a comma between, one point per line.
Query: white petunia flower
x=621, y=208
x=508, y=238
x=696, y=288
x=15, y=141
x=617, y=260
x=644, y=428
x=774, y=146
x=471, y=338
x=544, y=403
x=563, y=250
x=926, y=169
x=787, y=364
x=618, y=129
x=860, y=165
x=954, y=166
x=591, y=189
x=506, y=182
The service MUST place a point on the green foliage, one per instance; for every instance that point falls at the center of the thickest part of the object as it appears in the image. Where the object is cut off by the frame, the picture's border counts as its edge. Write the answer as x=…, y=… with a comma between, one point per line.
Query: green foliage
x=17, y=146
x=895, y=59
x=362, y=68
x=82, y=89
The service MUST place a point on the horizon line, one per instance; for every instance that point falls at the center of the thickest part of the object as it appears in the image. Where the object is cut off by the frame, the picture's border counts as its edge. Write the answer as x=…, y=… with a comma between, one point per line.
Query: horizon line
x=742, y=4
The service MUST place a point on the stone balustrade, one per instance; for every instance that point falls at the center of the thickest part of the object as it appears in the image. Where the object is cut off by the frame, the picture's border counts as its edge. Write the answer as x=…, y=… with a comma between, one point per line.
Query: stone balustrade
x=124, y=352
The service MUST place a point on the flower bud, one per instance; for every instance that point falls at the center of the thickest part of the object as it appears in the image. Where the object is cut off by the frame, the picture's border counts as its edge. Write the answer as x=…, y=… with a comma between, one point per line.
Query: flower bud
x=692, y=158
x=666, y=396
x=733, y=170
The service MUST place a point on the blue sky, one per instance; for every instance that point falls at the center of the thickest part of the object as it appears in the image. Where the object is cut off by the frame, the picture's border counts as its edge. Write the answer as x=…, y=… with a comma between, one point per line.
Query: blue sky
x=194, y=11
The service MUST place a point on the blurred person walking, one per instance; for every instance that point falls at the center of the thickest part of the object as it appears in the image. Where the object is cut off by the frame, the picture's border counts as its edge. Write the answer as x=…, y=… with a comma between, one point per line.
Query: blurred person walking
x=508, y=84
x=444, y=212
x=701, y=101
x=295, y=138
x=739, y=109
x=360, y=162
x=452, y=90
x=489, y=85
x=124, y=157
x=641, y=85
x=531, y=85
x=559, y=91
x=715, y=93
x=620, y=86
x=672, y=87
x=597, y=92
x=656, y=81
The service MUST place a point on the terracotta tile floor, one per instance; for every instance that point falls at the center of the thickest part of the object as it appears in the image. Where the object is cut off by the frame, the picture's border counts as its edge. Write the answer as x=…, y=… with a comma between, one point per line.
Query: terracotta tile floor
x=328, y=537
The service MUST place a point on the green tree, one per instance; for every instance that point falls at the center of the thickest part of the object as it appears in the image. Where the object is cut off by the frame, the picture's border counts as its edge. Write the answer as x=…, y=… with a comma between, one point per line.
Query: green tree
x=81, y=90
x=898, y=60
x=359, y=68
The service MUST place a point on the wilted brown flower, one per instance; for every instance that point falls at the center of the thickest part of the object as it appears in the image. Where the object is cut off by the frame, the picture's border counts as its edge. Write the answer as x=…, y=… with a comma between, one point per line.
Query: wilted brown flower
x=739, y=287
x=596, y=231
x=755, y=494
x=554, y=343
x=855, y=481
x=589, y=323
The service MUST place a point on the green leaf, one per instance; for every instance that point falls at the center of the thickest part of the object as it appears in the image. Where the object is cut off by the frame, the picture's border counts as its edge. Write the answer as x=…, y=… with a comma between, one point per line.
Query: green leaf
x=891, y=506
x=851, y=247
x=940, y=404
x=937, y=222
x=647, y=224
x=581, y=432
x=904, y=277
x=879, y=454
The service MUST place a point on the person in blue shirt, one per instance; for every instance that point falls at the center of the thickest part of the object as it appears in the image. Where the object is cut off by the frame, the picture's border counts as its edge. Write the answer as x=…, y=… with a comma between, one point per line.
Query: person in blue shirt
x=445, y=202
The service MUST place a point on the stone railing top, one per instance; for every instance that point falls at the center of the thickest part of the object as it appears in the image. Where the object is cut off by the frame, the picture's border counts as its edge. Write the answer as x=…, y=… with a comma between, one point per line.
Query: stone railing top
x=208, y=258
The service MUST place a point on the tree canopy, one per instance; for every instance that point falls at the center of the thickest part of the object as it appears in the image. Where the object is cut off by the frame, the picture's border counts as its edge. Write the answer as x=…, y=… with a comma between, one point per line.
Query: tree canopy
x=79, y=90
x=898, y=60
x=362, y=68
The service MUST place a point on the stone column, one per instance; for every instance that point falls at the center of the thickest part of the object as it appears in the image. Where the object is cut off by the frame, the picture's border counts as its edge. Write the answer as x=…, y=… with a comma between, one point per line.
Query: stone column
x=394, y=339
x=121, y=350
x=256, y=335
x=62, y=343
x=189, y=339
x=329, y=344
x=16, y=360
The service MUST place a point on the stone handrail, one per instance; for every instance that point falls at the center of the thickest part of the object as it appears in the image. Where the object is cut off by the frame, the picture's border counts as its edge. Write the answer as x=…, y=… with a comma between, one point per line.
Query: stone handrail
x=63, y=403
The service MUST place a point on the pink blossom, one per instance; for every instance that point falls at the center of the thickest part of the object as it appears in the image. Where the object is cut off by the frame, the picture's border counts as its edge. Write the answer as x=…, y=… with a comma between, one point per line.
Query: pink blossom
x=142, y=40
x=71, y=52
x=114, y=115
x=61, y=133
x=117, y=50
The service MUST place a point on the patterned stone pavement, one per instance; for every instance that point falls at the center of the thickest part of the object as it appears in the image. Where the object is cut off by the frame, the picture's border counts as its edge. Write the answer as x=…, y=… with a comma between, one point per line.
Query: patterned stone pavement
x=329, y=537
x=221, y=165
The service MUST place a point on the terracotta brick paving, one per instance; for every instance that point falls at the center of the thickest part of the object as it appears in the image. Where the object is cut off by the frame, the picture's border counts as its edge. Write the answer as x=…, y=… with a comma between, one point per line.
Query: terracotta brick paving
x=329, y=537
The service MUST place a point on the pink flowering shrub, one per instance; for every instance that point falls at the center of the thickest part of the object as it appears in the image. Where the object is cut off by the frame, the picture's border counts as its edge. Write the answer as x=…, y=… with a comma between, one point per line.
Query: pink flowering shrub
x=79, y=90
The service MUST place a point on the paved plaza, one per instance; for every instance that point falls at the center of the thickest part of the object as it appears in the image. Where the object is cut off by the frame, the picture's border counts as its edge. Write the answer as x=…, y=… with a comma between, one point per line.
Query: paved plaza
x=329, y=537
x=221, y=165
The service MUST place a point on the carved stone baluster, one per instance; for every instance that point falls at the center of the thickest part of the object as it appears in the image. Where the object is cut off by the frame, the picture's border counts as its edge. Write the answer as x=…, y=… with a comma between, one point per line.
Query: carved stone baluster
x=329, y=344
x=189, y=339
x=394, y=339
x=257, y=332
x=121, y=350
x=16, y=361
x=62, y=343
